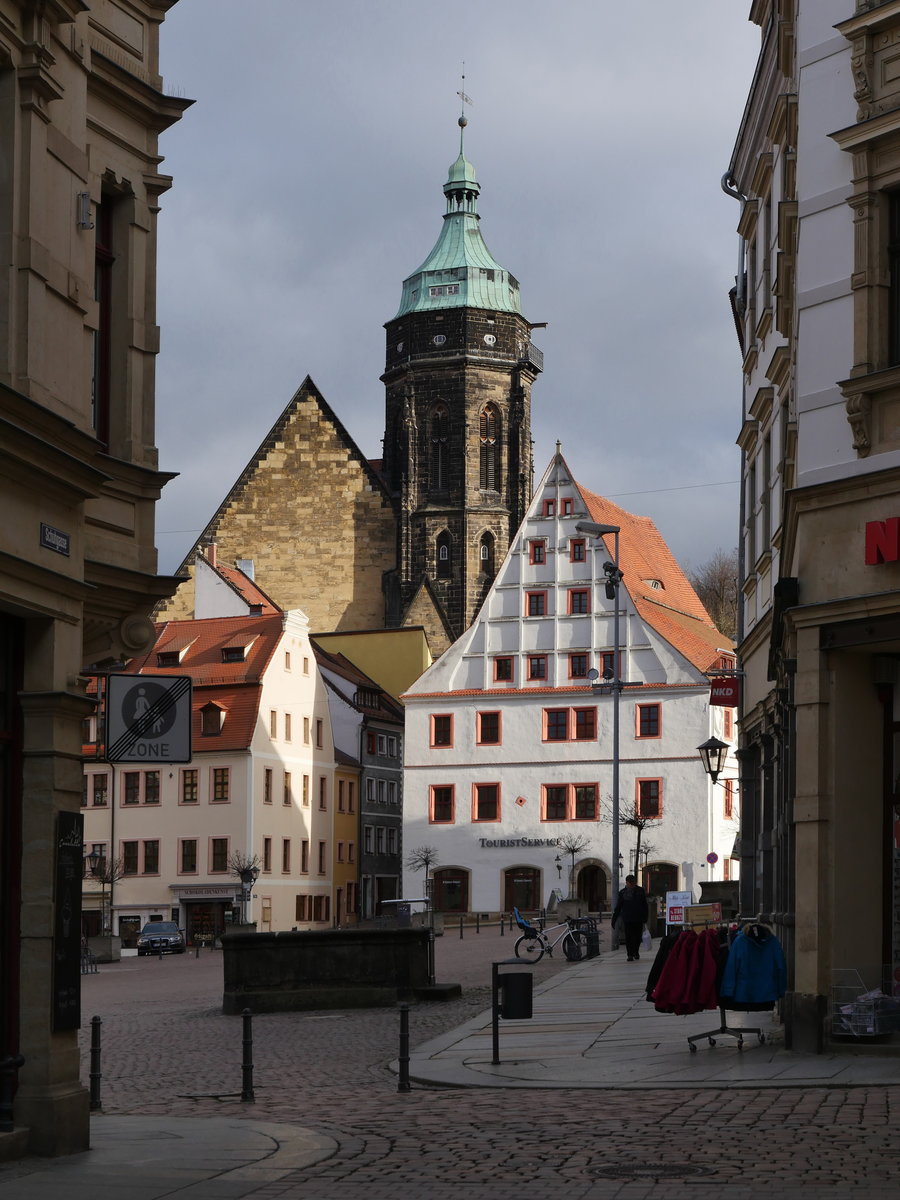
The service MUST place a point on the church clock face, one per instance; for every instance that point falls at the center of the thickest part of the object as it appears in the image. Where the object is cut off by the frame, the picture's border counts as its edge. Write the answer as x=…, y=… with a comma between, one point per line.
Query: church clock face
x=490, y=339
x=399, y=347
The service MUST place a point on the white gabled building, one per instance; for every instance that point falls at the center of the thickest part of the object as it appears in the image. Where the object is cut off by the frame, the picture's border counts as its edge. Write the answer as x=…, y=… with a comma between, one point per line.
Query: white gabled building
x=509, y=747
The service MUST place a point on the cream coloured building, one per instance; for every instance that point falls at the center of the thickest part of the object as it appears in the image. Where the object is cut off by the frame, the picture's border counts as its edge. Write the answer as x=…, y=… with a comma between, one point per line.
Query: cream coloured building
x=260, y=786
x=82, y=105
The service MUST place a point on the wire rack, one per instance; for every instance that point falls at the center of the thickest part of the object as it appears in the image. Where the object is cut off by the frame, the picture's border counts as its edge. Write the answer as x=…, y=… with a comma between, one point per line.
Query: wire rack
x=863, y=1004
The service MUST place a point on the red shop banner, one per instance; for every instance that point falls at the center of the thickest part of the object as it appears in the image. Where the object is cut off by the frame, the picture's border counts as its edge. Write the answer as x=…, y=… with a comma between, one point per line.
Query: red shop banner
x=725, y=691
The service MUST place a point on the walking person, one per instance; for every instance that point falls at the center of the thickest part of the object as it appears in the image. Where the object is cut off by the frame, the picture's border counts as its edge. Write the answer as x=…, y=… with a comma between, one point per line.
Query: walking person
x=633, y=911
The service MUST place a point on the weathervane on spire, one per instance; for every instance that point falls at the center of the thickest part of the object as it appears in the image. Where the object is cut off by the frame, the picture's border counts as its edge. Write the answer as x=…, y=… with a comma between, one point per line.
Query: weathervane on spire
x=464, y=99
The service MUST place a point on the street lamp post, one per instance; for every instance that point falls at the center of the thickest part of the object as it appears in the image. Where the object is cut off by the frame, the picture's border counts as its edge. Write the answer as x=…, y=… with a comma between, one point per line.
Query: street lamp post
x=248, y=876
x=613, y=577
x=97, y=867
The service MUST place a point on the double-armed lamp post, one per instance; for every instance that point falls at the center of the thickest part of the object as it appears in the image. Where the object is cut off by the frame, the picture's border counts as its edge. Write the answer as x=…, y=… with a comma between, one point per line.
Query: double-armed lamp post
x=610, y=680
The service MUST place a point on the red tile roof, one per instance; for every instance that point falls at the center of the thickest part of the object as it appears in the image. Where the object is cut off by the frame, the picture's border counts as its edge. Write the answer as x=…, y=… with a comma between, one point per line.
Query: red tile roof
x=247, y=589
x=234, y=686
x=673, y=609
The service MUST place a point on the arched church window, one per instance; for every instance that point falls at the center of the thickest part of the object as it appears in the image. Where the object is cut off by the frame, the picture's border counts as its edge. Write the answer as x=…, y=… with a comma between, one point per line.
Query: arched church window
x=489, y=436
x=444, y=557
x=486, y=554
x=439, y=435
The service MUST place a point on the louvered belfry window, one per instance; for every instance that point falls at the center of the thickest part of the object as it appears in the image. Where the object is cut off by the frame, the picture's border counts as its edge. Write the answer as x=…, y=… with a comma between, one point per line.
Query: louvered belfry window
x=489, y=434
x=440, y=431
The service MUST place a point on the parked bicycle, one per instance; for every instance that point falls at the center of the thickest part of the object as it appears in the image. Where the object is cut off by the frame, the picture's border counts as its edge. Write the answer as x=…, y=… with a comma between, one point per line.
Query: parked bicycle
x=536, y=941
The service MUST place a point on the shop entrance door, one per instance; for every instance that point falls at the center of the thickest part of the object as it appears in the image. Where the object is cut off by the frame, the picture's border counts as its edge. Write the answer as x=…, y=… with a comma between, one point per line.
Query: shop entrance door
x=521, y=889
x=451, y=890
x=592, y=888
x=204, y=921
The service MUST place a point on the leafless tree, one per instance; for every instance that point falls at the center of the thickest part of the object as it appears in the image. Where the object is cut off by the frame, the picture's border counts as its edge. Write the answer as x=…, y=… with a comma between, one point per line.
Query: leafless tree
x=716, y=583
x=107, y=872
x=423, y=857
x=572, y=844
x=243, y=864
x=631, y=817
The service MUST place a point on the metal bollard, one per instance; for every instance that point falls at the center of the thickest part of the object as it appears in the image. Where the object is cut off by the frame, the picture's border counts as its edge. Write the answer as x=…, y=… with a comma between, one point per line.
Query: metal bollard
x=95, y=1075
x=502, y=924
x=196, y=949
x=478, y=922
x=247, y=1092
x=403, y=1084
x=460, y=928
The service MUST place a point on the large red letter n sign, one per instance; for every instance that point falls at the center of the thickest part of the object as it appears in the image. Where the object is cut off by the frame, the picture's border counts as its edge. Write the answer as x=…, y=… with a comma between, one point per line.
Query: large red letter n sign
x=882, y=541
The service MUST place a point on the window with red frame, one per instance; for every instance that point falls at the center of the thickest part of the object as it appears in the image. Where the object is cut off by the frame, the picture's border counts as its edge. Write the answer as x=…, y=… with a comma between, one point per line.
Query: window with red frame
x=503, y=670
x=536, y=604
x=567, y=507
x=537, y=666
x=556, y=802
x=576, y=550
x=578, y=601
x=442, y=805
x=556, y=724
x=649, y=799
x=487, y=802
x=728, y=722
x=585, y=724
x=488, y=729
x=729, y=798
x=578, y=666
x=585, y=801
x=442, y=729
x=607, y=664
x=549, y=508
x=537, y=552
x=648, y=720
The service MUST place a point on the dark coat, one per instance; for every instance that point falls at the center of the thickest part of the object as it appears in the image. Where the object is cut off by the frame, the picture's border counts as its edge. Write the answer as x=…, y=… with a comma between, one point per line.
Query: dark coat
x=632, y=906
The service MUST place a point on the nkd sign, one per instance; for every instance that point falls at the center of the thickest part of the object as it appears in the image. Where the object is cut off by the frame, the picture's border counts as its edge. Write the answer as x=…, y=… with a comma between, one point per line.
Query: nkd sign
x=882, y=541
x=148, y=718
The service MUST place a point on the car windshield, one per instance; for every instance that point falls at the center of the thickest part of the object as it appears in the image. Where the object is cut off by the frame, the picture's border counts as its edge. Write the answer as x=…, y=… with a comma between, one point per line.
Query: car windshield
x=160, y=927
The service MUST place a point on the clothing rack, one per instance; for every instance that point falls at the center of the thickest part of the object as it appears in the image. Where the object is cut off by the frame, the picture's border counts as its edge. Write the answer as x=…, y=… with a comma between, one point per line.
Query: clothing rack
x=724, y=1029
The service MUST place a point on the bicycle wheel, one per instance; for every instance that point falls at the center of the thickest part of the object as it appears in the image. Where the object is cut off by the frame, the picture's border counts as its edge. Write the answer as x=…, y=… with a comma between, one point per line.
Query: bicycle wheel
x=530, y=948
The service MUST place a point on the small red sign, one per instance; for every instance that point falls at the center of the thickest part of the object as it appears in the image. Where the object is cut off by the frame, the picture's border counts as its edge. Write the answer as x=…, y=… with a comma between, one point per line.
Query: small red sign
x=882, y=541
x=725, y=691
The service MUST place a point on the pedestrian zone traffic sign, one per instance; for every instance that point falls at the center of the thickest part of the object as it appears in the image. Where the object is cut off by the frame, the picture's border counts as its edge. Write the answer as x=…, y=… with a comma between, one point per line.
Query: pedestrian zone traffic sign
x=148, y=718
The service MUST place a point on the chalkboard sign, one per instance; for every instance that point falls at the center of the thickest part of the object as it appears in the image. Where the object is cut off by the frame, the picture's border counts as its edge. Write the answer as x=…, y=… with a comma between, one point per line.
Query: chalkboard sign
x=67, y=923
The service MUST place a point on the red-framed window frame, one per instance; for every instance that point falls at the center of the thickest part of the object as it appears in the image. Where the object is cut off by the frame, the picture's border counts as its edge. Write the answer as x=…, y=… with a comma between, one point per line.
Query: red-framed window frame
x=643, y=789
x=495, y=719
x=648, y=721
x=578, y=801
x=499, y=671
x=728, y=723
x=584, y=723
x=536, y=603
x=213, y=857
x=607, y=659
x=728, y=799
x=537, y=552
x=579, y=664
x=188, y=870
x=577, y=550
x=579, y=601
x=220, y=785
x=477, y=802
x=537, y=668
x=189, y=785
x=441, y=731
x=548, y=508
x=441, y=794
x=556, y=725
x=565, y=505
x=547, y=799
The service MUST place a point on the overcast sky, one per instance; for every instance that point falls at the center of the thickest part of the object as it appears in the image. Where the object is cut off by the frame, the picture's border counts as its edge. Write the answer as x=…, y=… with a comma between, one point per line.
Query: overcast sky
x=308, y=182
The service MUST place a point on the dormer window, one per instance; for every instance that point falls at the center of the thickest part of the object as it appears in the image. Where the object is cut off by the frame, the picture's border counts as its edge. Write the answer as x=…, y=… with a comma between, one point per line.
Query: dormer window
x=212, y=718
x=232, y=654
x=168, y=658
x=656, y=584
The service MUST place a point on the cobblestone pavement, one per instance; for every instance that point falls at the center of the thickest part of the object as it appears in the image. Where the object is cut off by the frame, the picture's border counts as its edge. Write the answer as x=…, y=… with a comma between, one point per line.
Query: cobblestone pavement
x=167, y=1049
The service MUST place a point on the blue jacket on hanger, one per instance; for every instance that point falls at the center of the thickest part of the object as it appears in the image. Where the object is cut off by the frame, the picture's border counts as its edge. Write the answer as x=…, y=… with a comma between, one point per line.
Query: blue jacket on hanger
x=756, y=972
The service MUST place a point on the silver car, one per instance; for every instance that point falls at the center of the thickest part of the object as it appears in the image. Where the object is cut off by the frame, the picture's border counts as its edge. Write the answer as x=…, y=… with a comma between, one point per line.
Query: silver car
x=160, y=937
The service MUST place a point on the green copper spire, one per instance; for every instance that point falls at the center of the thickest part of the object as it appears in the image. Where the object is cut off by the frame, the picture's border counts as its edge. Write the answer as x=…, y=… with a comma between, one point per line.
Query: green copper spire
x=460, y=272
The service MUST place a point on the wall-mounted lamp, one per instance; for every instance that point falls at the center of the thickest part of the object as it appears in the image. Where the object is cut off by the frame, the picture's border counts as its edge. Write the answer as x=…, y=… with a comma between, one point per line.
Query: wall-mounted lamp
x=83, y=209
x=713, y=754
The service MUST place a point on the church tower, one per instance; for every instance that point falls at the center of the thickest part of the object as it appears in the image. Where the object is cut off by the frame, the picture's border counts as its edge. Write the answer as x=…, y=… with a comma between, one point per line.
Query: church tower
x=457, y=444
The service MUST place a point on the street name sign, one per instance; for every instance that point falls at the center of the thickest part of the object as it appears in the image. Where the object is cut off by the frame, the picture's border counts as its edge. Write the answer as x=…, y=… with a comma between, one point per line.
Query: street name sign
x=148, y=718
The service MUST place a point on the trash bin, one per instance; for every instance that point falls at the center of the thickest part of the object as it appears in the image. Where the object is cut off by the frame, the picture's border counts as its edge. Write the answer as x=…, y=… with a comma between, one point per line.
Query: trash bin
x=590, y=939
x=516, y=990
